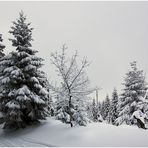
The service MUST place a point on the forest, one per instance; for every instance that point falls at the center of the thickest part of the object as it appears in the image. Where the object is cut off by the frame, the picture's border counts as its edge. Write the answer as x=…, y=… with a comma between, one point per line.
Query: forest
x=27, y=96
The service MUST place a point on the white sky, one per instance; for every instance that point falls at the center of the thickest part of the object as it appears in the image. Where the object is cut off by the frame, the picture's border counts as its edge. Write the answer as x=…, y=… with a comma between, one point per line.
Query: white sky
x=110, y=34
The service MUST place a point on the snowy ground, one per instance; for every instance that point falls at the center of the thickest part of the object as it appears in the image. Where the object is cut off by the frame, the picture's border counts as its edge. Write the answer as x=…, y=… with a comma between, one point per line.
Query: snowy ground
x=55, y=133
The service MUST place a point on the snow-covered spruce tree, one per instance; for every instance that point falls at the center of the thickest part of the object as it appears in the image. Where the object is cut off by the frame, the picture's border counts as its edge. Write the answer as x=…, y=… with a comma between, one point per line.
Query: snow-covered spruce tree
x=2, y=47
x=25, y=96
x=89, y=109
x=1, y=69
x=102, y=110
x=96, y=116
x=99, y=106
x=106, y=107
x=73, y=89
x=50, y=102
x=134, y=88
x=94, y=111
x=113, y=113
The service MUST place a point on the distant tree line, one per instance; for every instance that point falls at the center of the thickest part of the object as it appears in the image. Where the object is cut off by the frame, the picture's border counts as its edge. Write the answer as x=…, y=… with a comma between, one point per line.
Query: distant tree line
x=131, y=106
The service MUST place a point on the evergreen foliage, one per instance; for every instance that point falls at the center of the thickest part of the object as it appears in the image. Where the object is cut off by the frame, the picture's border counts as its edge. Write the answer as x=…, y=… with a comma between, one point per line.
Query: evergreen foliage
x=134, y=88
x=24, y=97
x=96, y=116
x=106, y=107
x=113, y=113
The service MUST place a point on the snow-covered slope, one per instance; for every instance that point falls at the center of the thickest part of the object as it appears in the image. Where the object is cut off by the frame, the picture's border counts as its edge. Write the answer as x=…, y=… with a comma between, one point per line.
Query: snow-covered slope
x=55, y=133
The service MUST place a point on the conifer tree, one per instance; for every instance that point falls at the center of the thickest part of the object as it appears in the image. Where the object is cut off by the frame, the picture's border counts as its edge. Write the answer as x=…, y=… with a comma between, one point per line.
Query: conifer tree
x=134, y=88
x=24, y=97
x=1, y=69
x=102, y=110
x=113, y=113
x=96, y=115
x=94, y=111
x=99, y=107
x=106, y=107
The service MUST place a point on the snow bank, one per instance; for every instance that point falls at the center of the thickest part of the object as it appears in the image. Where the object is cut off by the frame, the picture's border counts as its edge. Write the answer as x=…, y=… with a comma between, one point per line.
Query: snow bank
x=55, y=133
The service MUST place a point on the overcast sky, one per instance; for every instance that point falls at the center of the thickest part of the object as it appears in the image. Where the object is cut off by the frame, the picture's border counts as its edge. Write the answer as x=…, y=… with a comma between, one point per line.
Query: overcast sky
x=110, y=34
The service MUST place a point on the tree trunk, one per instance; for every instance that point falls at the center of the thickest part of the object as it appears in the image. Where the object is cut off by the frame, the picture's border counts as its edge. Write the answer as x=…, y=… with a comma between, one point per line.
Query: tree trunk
x=70, y=113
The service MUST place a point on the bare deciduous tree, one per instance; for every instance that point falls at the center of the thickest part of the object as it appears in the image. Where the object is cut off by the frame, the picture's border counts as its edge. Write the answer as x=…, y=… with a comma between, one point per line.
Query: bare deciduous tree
x=73, y=78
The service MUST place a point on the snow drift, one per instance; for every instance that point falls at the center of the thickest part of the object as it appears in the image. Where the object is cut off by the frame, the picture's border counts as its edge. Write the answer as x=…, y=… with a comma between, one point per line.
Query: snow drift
x=54, y=133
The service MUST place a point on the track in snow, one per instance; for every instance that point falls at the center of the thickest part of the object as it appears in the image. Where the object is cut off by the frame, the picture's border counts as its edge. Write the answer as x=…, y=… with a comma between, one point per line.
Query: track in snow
x=22, y=142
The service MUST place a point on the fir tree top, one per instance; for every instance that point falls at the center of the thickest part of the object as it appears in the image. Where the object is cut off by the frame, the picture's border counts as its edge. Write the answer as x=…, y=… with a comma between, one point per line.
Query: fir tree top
x=114, y=94
x=134, y=65
x=135, y=79
x=22, y=33
x=107, y=98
